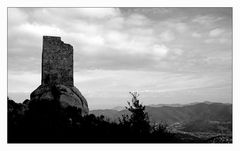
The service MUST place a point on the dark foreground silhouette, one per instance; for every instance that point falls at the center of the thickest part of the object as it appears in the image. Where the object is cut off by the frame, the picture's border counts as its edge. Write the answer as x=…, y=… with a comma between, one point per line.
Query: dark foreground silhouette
x=48, y=122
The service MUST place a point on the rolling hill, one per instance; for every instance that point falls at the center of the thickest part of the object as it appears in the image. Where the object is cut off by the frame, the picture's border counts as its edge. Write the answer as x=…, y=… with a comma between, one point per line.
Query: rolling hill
x=195, y=117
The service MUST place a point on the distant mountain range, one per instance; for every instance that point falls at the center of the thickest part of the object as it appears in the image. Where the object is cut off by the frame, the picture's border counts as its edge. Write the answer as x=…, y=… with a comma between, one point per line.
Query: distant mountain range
x=194, y=117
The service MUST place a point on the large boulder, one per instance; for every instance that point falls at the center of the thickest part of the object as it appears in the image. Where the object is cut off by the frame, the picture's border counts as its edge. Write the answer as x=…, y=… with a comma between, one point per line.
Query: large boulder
x=66, y=95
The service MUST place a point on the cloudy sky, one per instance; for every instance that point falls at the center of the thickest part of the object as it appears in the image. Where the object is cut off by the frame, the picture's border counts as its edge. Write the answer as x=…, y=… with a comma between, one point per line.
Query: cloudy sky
x=168, y=55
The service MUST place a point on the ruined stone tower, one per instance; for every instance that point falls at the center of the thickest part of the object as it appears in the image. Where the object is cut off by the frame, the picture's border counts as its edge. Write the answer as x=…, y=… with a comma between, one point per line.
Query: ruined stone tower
x=57, y=62
x=57, y=76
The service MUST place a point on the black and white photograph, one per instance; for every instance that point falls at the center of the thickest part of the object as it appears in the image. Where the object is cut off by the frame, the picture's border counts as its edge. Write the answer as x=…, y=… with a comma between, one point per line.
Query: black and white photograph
x=120, y=75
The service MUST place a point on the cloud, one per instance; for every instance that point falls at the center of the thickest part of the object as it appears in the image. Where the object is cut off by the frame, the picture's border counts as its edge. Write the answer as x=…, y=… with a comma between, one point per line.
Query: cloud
x=121, y=49
x=218, y=41
x=137, y=20
x=132, y=37
x=160, y=50
x=16, y=16
x=77, y=13
x=167, y=36
x=206, y=19
x=98, y=12
x=23, y=82
x=40, y=30
x=196, y=35
x=178, y=51
x=216, y=32
x=116, y=37
x=181, y=27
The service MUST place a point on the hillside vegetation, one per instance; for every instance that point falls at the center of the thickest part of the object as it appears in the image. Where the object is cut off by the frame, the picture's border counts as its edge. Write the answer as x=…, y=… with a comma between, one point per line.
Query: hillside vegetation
x=199, y=117
x=48, y=122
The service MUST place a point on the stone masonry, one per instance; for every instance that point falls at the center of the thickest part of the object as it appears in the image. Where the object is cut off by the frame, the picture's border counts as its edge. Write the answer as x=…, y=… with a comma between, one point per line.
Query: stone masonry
x=57, y=62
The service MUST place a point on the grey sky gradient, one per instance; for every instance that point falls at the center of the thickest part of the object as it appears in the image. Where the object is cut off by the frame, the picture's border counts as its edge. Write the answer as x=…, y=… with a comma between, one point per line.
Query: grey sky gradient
x=168, y=55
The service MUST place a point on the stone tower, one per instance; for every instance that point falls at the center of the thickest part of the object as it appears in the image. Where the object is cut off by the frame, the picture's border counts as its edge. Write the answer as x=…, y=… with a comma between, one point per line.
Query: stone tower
x=57, y=76
x=57, y=62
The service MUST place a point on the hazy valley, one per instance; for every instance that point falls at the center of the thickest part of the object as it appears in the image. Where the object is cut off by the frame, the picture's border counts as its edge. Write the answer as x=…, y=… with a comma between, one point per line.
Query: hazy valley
x=202, y=120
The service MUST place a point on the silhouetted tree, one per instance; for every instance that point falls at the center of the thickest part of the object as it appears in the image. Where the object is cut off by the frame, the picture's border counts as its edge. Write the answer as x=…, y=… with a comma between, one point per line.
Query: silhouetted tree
x=139, y=120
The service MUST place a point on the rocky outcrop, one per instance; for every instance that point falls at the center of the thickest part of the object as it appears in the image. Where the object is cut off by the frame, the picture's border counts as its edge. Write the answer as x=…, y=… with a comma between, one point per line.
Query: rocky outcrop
x=65, y=95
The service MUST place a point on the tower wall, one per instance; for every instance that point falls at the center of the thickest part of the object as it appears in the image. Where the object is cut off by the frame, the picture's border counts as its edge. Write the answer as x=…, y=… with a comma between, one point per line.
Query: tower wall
x=57, y=62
